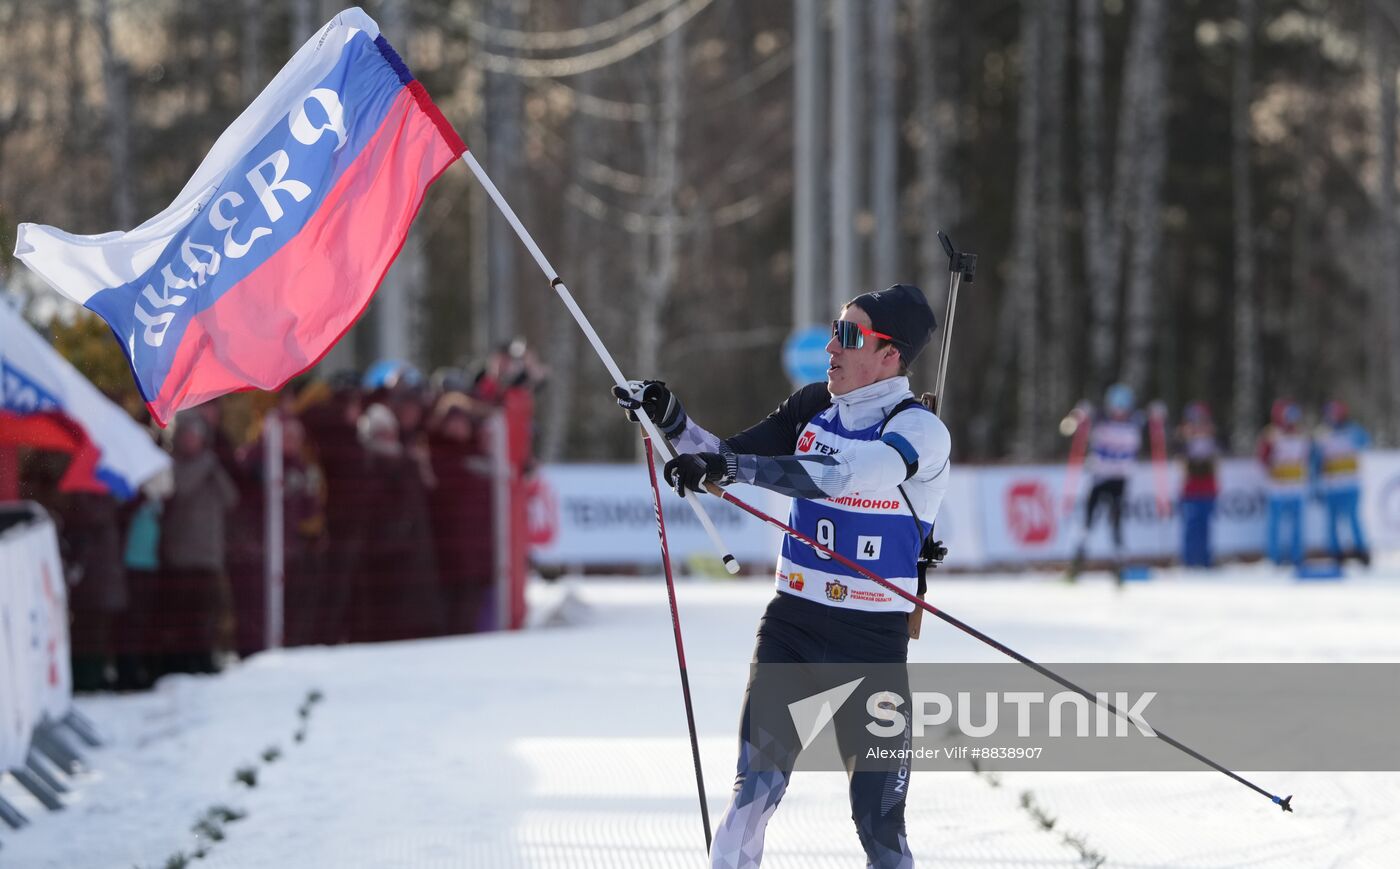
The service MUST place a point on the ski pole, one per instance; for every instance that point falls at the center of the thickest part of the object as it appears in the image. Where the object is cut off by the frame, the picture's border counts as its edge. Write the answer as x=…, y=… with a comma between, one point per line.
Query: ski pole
x=1283, y=802
x=1078, y=424
x=680, y=649
x=659, y=442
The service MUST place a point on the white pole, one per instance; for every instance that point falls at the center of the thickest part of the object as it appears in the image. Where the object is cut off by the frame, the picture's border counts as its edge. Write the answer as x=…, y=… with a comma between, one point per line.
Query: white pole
x=272, y=529
x=501, y=472
x=845, y=148
x=659, y=443
x=808, y=56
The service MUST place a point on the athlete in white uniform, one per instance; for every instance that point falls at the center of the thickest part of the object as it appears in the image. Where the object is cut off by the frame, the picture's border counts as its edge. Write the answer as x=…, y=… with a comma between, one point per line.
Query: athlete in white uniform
x=867, y=466
x=1114, y=443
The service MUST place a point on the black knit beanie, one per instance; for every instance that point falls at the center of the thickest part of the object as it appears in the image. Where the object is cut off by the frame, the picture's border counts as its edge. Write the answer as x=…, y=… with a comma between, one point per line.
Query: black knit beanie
x=902, y=312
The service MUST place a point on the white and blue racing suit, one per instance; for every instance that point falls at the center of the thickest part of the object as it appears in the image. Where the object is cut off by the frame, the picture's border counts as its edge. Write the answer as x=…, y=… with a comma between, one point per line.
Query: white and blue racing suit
x=854, y=466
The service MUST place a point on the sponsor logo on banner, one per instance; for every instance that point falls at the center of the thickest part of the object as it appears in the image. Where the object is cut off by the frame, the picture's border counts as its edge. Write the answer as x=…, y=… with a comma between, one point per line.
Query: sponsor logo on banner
x=805, y=442
x=542, y=512
x=836, y=591
x=1030, y=513
x=795, y=582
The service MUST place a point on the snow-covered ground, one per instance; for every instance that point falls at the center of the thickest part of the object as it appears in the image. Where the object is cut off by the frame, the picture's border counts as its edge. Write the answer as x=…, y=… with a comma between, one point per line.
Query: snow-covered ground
x=566, y=746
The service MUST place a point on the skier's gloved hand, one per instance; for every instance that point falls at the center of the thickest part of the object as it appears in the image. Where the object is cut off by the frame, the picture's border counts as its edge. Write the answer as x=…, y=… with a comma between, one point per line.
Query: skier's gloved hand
x=691, y=471
x=656, y=401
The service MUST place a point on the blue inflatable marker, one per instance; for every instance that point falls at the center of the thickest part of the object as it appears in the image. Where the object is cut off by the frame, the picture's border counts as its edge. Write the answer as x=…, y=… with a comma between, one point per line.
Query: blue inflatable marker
x=1135, y=573
x=1315, y=571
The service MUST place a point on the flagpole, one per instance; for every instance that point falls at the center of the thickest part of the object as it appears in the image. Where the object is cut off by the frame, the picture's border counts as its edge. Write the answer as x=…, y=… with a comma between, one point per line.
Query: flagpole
x=659, y=443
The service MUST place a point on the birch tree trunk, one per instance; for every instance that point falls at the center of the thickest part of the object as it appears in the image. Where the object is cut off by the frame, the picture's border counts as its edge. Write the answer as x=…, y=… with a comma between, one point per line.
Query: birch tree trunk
x=659, y=248
x=1146, y=221
x=809, y=56
x=504, y=116
x=557, y=402
x=845, y=130
x=303, y=21
x=1246, y=418
x=250, y=49
x=398, y=303
x=1098, y=263
x=937, y=198
x=1106, y=209
x=1386, y=357
x=1061, y=332
x=114, y=82
x=1024, y=288
x=886, y=267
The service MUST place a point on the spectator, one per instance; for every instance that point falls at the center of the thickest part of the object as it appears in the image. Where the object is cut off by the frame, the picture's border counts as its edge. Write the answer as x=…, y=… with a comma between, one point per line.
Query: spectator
x=139, y=662
x=1337, y=450
x=194, y=590
x=331, y=426
x=302, y=525
x=1199, y=490
x=461, y=512
x=1283, y=450
x=99, y=593
x=397, y=596
x=511, y=365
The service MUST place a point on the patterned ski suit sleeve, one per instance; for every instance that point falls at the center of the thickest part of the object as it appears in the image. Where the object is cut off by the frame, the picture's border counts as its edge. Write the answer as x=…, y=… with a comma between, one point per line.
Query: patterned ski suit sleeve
x=915, y=445
x=775, y=435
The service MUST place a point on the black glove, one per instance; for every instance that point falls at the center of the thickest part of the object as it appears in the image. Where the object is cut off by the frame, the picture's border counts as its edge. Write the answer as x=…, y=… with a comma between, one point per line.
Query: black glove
x=693, y=470
x=656, y=401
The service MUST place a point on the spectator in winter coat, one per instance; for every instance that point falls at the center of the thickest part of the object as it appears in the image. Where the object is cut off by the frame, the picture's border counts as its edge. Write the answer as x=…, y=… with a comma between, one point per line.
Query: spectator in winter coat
x=397, y=595
x=461, y=512
x=194, y=599
x=1199, y=489
x=301, y=526
x=140, y=655
x=92, y=538
x=349, y=516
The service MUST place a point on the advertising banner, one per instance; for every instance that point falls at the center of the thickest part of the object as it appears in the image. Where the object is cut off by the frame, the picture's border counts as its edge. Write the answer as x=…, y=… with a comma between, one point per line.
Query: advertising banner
x=602, y=514
x=35, y=679
x=1028, y=516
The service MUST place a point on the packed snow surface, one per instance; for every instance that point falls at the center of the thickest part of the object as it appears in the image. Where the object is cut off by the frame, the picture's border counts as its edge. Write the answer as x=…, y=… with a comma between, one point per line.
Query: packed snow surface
x=565, y=745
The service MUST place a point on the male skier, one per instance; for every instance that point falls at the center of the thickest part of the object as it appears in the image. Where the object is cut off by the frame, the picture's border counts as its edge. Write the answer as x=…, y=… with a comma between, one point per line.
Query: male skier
x=1114, y=443
x=866, y=466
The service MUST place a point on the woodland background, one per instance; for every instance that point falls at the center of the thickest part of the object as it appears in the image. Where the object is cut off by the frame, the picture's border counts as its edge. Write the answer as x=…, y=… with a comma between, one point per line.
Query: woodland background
x=1197, y=197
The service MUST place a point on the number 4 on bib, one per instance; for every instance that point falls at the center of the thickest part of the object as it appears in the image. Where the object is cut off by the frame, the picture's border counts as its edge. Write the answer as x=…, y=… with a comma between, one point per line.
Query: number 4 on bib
x=868, y=548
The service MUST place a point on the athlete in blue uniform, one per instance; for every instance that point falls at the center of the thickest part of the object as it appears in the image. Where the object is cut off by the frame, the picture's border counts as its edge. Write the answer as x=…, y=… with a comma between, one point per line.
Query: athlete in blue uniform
x=1336, y=455
x=867, y=466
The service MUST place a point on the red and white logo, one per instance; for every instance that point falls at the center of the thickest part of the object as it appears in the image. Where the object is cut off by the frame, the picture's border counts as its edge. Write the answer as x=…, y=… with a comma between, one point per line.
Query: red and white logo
x=1030, y=513
x=805, y=442
x=542, y=512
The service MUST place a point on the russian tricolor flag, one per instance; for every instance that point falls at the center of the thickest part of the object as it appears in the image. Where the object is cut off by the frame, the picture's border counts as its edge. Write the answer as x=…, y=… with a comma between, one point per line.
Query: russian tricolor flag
x=276, y=245
x=46, y=403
